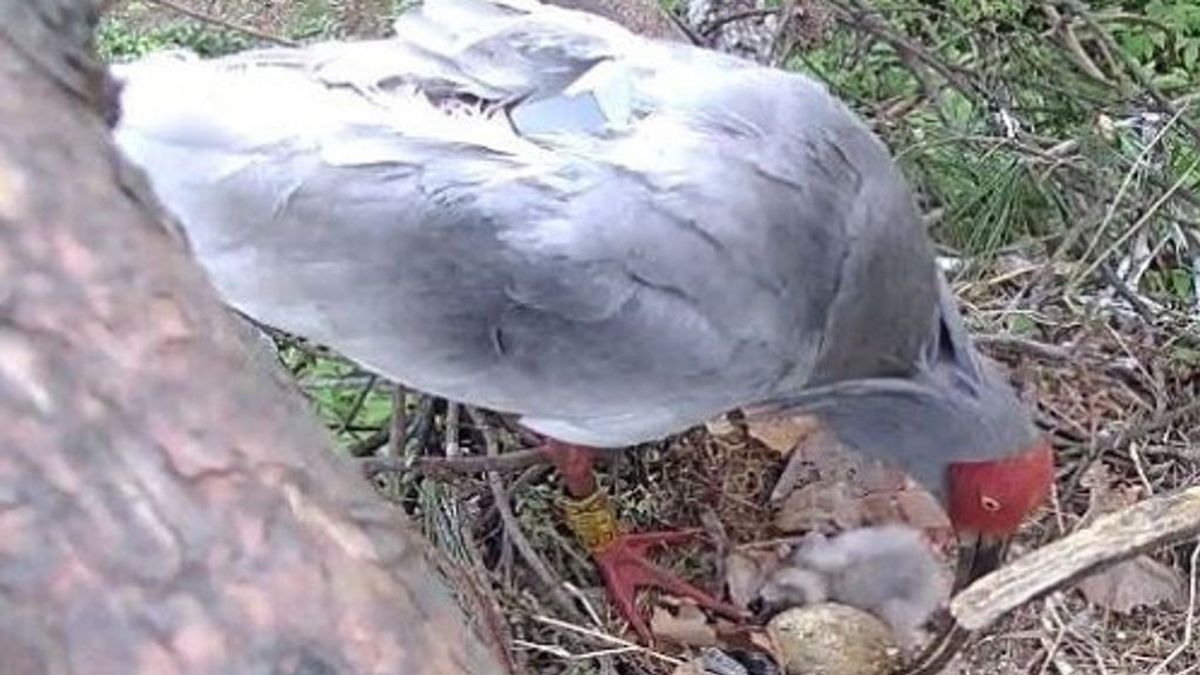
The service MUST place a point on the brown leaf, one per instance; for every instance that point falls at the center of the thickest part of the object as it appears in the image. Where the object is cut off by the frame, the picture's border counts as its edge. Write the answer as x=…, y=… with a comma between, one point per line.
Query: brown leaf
x=782, y=434
x=1140, y=582
x=1105, y=493
x=819, y=506
x=817, y=456
x=688, y=627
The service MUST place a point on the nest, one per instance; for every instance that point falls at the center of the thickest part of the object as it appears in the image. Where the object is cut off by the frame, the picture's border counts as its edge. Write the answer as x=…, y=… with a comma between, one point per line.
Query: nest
x=1068, y=213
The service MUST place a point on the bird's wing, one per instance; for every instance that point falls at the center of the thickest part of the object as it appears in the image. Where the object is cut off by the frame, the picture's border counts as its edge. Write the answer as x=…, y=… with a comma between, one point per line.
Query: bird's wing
x=612, y=283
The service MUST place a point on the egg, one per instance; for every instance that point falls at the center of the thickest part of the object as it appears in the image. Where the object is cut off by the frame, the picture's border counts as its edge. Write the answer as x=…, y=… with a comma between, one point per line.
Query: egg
x=832, y=639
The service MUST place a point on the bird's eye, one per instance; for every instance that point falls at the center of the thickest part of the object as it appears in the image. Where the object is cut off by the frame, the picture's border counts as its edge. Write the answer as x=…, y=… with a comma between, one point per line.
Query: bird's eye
x=989, y=503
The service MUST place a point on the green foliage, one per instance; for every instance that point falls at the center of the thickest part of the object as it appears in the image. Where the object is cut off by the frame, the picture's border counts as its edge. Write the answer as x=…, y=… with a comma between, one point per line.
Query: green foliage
x=1164, y=35
x=118, y=40
x=347, y=400
x=979, y=148
x=314, y=20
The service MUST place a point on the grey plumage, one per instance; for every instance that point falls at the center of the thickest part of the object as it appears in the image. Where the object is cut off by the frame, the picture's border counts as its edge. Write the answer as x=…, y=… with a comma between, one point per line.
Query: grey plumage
x=886, y=570
x=532, y=210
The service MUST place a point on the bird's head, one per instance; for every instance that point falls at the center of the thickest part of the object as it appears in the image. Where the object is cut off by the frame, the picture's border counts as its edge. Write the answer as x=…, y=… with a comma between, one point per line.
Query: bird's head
x=978, y=452
x=988, y=500
x=954, y=423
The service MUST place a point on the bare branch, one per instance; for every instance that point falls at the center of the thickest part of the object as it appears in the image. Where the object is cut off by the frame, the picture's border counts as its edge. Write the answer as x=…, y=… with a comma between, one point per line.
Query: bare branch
x=1145, y=526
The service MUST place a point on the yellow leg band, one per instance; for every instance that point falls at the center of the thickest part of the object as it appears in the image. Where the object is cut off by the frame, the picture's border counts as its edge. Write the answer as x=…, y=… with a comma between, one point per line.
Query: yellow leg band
x=591, y=519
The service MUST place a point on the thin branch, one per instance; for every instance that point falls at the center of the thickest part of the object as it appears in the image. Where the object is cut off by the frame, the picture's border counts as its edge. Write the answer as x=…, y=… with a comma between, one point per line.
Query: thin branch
x=508, y=462
x=512, y=528
x=356, y=406
x=720, y=22
x=1130, y=435
x=370, y=444
x=398, y=425
x=1190, y=622
x=453, y=450
x=867, y=20
x=227, y=25
x=1135, y=69
x=1074, y=49
x=1150, y=524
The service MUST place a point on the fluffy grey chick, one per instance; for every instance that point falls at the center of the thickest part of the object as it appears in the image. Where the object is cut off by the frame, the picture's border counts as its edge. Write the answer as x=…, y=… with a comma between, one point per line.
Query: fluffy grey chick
x=888, y=571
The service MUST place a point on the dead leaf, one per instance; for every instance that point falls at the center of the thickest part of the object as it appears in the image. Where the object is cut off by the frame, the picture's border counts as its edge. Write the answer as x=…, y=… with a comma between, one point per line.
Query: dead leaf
x=817, y=456
x=1140, y=582
x=688, y=627
x=819, y=506
x=1105, y=493
x=782, y=434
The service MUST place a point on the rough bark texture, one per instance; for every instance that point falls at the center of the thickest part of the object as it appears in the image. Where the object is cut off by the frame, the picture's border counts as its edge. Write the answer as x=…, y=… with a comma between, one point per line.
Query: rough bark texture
x=166, y=506
x=1152, y=523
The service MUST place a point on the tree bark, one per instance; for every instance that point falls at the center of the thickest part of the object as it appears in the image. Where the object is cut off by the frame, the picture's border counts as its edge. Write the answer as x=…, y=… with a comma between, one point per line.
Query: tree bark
x=167, y=505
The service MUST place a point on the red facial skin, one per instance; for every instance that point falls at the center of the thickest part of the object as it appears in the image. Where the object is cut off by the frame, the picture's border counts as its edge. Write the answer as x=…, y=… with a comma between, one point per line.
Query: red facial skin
x=993, y=498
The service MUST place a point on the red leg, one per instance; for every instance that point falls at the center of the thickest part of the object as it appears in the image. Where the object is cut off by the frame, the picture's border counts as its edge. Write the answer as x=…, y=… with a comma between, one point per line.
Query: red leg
x=620, y=558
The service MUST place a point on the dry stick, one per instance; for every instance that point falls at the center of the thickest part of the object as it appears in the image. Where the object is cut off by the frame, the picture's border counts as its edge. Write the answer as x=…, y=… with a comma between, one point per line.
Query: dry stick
x=222, y=23
x=688, y=31
x=453, y=450
x=370, y=444
x=1139, y=163
x=1131, y=64
x=356, y=406
x=1142, y=220
x=398, y=425
x=1135, y=432
x=512, y=529
x=1190, y=623
x=463, y=464
x=1074, y=48
x=1147, y=525
x=866, y=19
x=720, y=22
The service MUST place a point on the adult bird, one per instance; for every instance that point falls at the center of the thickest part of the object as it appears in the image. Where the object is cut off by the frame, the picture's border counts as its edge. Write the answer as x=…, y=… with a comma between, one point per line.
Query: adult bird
x=533, y=210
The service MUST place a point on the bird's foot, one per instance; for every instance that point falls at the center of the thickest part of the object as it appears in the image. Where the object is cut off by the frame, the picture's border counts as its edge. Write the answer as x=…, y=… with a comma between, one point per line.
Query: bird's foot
x=624, y=565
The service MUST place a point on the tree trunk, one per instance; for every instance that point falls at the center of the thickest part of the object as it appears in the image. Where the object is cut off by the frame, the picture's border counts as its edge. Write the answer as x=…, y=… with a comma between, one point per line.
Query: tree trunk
x=167, y=505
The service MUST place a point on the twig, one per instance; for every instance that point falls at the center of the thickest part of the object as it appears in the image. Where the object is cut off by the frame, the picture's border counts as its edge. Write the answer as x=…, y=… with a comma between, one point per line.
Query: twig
x=398, y=425
x=370, y=444
x=1122, y=289
x=1189, y=623
x=1135, y=69
x=692, y=36
x=866, y=19
x=1040, y=350
x=227, y=25
x=512, y=529
x=453, y=450
x=1131, y=434
x=605, y=637
x=461, y=465
x=733, y=17
x=1110, y=539
x=357, y=405
x=568, y=655
x=1142, y=220
x=1074, y=48
x=1113, y=205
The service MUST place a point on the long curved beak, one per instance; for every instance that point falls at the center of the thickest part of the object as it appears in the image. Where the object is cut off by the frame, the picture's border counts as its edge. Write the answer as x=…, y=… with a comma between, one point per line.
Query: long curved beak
x=977, y=555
